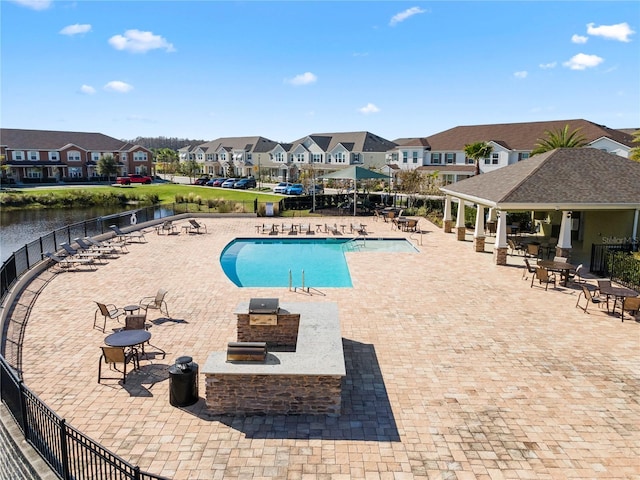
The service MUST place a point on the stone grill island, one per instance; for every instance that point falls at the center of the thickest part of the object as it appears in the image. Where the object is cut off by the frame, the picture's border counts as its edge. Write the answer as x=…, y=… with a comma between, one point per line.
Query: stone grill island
x=301, y=375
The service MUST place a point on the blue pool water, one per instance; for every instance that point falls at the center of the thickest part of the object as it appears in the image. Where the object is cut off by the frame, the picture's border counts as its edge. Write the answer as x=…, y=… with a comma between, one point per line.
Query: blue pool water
x=252, y=262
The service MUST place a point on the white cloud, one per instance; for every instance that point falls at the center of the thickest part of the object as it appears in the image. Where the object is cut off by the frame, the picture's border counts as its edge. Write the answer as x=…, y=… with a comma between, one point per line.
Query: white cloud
x=75, y=29
x=521, y=74
x=88, y=89
x=118, y=86
x=305, y=78
x=402, y=16
x=583, y=61
x=579, y=38
x=546, y=66
x=620, y=31
x=136, y=41
x=368, y=109
x=34, y=4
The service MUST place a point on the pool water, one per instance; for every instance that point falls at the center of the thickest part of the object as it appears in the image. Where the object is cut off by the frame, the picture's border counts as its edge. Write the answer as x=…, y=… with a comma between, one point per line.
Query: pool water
x=251, y=262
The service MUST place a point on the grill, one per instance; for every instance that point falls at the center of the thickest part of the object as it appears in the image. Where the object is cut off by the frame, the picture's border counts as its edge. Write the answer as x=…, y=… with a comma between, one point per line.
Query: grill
x=263, y=311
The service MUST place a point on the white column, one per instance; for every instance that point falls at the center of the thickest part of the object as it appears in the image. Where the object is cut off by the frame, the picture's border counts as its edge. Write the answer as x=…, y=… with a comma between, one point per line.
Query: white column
x=447, y=208
x=565, y=231
x=492, y=214
x=501, y=232
x=479, y=232
x=460, y=217
x=634, y=234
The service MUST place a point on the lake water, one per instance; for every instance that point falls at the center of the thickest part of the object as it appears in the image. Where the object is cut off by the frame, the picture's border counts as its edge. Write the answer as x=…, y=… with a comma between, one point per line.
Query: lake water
x=18, y=228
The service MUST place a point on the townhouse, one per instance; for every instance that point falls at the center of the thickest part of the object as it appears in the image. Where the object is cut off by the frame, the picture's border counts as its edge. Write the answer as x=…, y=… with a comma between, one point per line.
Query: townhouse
x=34, y=156
x=443, y=153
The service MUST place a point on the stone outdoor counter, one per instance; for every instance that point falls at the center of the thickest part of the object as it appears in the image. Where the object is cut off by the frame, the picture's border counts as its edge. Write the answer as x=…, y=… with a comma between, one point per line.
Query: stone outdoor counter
x=305, y=381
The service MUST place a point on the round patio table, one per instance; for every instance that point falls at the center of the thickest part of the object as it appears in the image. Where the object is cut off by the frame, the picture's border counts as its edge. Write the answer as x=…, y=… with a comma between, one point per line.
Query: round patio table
x=127, y=338
x=621, y=293
x=563, y=267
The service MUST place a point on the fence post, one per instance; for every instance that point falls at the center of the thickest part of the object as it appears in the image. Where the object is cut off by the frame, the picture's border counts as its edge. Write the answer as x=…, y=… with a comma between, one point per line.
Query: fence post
x=64, y=450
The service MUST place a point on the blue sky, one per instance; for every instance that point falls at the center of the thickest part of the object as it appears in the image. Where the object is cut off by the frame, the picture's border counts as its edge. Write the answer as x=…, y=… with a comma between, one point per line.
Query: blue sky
x=209, y=69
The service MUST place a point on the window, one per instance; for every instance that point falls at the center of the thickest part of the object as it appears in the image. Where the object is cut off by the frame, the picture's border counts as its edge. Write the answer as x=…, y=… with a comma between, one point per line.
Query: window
x=415, y=157
x=299, y=157
x=329, y=159
x=123, y=156
x=73, y=156
x=279, y=156
x=33, y=155
x=394, y=157
x=356, y=158
x=450, y=157
x=405, y=157
x=54, y=156
x=139, y=156
x=95, y=156
x=17, y=155
x=469, y=161
x=523, y=156
x=435, y=158
x=339, y=157
x=34, y=173
x=317, y=158
x=200, y=157
x=495, y=157
x=75, y=172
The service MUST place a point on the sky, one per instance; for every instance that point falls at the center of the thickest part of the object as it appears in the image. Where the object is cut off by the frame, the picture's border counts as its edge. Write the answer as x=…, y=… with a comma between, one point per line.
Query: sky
x=286, y=69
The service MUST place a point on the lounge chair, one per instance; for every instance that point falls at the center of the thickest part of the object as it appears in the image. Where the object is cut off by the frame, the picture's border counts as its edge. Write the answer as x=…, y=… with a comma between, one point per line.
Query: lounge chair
x=113, y=355
x=73, y=252
x=358, y=228
x=88, y=247
x=67, y=263
x=122, y=246
x=197, y=226
x=166, y=226
x=128, y=236
x=107, y=310
x=156, y=302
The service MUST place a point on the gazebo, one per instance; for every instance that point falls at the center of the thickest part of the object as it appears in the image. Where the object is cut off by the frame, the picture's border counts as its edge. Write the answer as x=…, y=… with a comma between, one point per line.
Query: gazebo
x=593, y=195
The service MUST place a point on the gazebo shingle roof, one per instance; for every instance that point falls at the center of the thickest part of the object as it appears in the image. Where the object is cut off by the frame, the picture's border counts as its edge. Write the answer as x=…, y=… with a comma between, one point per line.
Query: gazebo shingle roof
x=577, y=178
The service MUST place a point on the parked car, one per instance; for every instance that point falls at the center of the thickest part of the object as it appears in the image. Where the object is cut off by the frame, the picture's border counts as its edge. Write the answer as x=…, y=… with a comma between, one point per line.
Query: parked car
x=201, y=181
x=318, y=188
x=134, y=178
x=245, y=183
x=281, y=187
x=229, y=183
x=295, y=189
x=216, y=182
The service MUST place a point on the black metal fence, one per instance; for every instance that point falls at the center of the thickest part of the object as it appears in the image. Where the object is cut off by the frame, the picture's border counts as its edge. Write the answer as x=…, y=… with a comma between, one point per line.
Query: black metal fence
x=616, y=261
x=69, y=453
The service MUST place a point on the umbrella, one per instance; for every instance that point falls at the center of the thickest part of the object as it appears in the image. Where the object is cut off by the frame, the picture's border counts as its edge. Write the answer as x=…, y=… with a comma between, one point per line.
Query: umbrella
x=355, y=173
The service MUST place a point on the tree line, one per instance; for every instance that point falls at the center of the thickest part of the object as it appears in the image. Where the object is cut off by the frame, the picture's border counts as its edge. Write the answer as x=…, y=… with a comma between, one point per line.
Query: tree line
x=174, y=143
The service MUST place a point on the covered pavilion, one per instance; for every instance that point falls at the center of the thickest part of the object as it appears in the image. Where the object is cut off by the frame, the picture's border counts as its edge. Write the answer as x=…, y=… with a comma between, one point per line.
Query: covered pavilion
x=593, y=196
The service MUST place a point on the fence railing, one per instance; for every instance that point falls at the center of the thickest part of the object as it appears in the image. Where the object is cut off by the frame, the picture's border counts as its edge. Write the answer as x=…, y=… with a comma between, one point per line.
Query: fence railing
x=67, y=451
x=616, y=262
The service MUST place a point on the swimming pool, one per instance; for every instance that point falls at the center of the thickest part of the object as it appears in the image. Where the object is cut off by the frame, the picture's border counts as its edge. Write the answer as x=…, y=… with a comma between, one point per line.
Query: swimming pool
x=253, y=262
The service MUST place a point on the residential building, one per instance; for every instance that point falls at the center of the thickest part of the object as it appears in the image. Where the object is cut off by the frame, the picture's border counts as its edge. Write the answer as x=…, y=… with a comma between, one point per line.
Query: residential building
x=232, y=156
x=511, y=143
x=34, y=156
x=327, y=152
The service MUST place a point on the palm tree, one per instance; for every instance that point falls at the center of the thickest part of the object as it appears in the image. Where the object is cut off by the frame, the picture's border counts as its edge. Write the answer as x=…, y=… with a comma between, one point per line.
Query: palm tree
x=559, y=139
x=476, y=151
x=635, y=152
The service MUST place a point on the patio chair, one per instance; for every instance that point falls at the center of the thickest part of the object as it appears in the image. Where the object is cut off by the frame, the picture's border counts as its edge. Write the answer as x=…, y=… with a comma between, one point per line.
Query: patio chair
x=166, y=226
x=528, y=269
x=156, y=302
x=121, y=246
x=138, y=236
x=107, y=310
x=197, y=226
x=515, y=247
x=589, y=297
x=67, y=263
x=73, y=252
x=114, y=355
x=632, y=305
x=544, y=276
x=603, y=285
x=576, y=275
x=533, y=250
x=411, y=225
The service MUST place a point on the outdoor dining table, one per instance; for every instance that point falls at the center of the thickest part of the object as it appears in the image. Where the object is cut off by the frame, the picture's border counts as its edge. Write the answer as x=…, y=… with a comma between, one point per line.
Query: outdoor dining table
x=619, y=293
x=127, y=338
x=563, y=267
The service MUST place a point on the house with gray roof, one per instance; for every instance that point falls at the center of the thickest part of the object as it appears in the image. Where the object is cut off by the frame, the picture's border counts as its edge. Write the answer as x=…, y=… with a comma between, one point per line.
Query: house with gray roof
x=33, y=156
x=581, y=196
x=511, y=142
x=323, y=153
x=233, y=156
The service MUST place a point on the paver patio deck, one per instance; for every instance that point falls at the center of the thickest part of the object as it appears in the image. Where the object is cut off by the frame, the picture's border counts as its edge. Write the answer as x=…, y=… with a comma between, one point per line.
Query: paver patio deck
x=456, y=369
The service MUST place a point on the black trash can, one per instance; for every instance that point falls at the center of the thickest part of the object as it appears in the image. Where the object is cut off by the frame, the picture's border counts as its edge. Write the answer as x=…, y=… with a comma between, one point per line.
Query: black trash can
x=183, y=382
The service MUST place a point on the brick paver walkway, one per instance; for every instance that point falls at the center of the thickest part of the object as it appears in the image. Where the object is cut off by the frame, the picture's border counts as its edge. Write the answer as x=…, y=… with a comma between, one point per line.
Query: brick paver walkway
x=457, y=369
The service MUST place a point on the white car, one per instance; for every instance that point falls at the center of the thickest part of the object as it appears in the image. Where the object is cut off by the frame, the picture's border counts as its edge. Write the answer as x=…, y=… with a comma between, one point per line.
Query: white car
x=281, y=187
